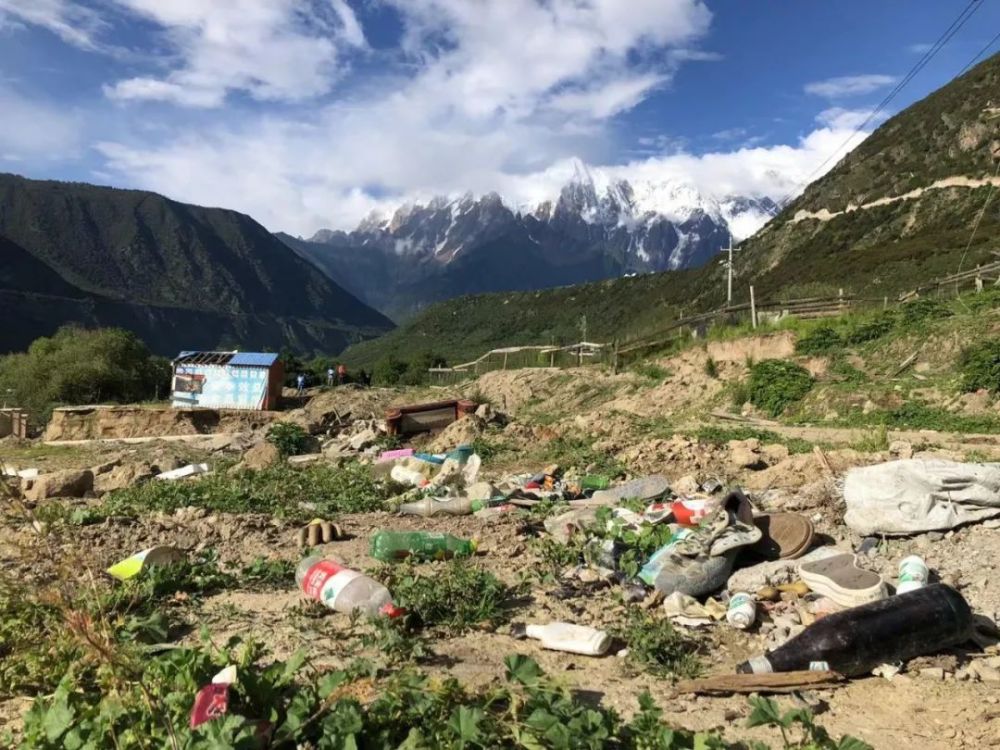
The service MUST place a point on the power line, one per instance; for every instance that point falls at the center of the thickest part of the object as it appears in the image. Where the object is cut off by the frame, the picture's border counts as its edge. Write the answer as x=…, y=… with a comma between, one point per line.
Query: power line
x=945, y=37
x=979, y=218
x=979, y=54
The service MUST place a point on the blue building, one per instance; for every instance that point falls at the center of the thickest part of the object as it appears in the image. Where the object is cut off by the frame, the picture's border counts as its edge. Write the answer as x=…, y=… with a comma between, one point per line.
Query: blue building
x=227, y=380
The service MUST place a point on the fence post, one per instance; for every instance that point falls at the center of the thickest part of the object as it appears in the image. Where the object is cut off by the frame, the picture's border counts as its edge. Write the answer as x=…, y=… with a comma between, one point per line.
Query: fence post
x=885, y=302
x=753, y=309
x=552, y=358
x=505, y=360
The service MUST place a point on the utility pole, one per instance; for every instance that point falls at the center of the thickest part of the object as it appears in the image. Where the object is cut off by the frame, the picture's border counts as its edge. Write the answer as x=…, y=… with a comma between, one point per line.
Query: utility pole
x=729, y=272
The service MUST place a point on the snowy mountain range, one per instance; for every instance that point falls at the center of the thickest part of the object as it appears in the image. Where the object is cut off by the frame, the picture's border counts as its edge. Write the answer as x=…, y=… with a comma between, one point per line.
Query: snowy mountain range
x=597, y=227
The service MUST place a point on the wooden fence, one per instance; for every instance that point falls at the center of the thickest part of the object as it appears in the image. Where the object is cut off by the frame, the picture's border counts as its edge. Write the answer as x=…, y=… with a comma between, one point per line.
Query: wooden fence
x=620, y=353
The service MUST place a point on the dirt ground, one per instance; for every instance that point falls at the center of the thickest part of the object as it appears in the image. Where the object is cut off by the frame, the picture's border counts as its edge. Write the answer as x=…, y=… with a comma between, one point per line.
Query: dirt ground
x=935, y=714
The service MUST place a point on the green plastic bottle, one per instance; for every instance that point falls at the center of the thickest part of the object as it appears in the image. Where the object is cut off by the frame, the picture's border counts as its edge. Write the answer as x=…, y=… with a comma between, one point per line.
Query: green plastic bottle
x=392, y=546
x=595, y=482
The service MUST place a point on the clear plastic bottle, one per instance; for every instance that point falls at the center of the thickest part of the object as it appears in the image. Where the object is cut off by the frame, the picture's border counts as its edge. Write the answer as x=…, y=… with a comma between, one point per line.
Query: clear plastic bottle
x=342, y=589
x=390, y=546
x=565, y=636
x=857, y=640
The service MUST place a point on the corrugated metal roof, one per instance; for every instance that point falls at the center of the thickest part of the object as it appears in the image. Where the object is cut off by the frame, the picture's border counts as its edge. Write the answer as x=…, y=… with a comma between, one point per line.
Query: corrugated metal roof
x=242, y=359
x=254, y=359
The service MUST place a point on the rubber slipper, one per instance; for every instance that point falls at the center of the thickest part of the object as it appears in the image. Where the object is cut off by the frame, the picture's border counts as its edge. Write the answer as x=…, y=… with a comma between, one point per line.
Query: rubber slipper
x=643, y=488
x=784, y=536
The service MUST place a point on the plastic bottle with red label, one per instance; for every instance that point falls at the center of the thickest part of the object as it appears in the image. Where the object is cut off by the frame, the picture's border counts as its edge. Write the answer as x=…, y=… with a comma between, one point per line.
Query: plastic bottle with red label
x=342, y=589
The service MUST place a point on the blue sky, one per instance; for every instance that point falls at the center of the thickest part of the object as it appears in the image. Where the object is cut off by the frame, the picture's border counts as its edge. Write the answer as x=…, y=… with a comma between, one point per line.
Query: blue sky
x=312, y=113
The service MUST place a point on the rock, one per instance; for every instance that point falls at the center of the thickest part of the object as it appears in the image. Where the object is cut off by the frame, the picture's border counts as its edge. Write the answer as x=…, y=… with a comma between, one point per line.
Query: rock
x=486, y=413
x=932, y=673
x=261, y=456
x=774, y=453
x=987, y=673
x=460, y=432
x=121, y=477
x=219, y=443
x=480, y=491
x=869, y=407
x=686, y=485
x=901, y=449
x=69, y=483
x=106, y=467
x=745, y=454
x=363, y=439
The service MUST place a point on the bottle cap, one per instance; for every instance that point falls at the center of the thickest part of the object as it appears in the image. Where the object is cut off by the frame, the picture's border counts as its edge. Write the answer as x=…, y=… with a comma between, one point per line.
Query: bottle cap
x=391, y=611
x=518, y=630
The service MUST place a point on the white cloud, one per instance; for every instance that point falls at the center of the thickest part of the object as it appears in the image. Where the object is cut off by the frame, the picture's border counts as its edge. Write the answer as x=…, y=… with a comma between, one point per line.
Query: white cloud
x=921, y=48
x=274, y=50
x=72, y=22
x=35, y=130
x=844, y=86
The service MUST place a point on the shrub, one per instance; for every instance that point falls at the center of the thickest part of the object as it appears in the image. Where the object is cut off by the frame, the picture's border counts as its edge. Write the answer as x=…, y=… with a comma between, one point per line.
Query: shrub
x=871, y=330
x=776, y=383
x=78, y=366
x=980, y=367
x=290, y=439
x=818, y=341
x=711, y=368
x=924, y=309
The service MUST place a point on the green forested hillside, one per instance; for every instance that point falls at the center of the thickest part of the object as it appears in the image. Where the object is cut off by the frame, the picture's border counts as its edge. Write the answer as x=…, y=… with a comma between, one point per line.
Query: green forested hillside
x=873, y=252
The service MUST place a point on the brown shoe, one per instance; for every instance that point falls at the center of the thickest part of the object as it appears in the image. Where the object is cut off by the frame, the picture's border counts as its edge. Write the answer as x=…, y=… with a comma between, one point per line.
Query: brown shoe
x=786, y=536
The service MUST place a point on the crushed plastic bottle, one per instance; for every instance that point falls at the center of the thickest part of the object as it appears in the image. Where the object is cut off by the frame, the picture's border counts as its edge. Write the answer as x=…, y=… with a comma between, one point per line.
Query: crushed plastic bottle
x=451, y=506
x=390, y=546
x=564, y=636
x=742, y=611
x=857, y=640
x=342, y=589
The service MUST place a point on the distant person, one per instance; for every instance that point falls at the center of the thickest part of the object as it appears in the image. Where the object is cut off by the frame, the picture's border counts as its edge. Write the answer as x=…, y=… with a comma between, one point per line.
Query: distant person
x=329, y=376
x=300, y=383
x=341, y=374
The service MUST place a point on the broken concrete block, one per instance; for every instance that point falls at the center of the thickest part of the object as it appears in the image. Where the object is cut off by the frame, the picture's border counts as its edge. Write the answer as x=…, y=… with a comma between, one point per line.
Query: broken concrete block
x=261, y=456
x=363, y=439
x=745, y=454
x=121, y=477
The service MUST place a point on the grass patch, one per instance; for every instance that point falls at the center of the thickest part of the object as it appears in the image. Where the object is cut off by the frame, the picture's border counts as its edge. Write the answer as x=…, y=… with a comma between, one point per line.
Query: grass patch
x=455, y=596
x=774, y=384
x=651, y=371
x=819, y=341
x=980, y=367
x=875, y=441
x=296, y=493
x=917, y=416
x=711, y=368
x=579, y=453
x=289, y=438
x=720, y=436
x=656, y=647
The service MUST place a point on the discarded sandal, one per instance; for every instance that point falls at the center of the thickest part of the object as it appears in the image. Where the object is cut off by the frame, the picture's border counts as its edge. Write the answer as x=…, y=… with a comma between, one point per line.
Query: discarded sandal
x=785, y=536
x=643, y=488
x=840, y=578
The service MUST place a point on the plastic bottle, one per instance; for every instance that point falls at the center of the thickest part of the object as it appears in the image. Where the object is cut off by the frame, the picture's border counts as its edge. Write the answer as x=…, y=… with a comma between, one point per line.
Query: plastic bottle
x=689, y=511
x=594, y=482
x=342, y=589
x=452, y=506
x=857, y=640
x=742, y=610
x=913, y=574
x=406, y=474
x=564, y=636
x=389, y=546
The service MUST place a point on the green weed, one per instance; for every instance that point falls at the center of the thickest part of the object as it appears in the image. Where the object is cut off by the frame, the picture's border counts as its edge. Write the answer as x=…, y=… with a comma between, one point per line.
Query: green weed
x=980, y=367
x=289, y=438
x=651, y=371
x=455, y=596
x=711, y=368
x=774, y=384
x=766, y=713
x=819, y=341
x=875, y=441
x=579, y=453
x=655, y=646
x=722, y=435
x=268, y=574
x=296, y=493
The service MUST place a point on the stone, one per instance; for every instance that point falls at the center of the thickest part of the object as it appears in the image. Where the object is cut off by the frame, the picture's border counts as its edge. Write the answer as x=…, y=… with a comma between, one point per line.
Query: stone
x=219, y=443
x=686, y=485
x=745, y=454
x=363, y=439
x=480, y=491
x=262, y=455
x=932, y=673
x=121, y=477
x=486, y=413
x=775, y=453
x=901, y=449
x=69, y=483
x=305, y=458
x=987, y=673
x=869, y=407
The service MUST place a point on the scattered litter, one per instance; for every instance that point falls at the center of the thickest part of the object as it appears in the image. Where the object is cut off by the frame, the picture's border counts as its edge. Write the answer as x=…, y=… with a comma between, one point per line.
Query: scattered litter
x=318, y=531
x=184, y=472
x=913, y=574
x=783, y=536
x=841, y=579
x=857, y=640
x=212, y=701
x=742, y=611
x=564, y=636
x=679, y=605
x=395, y=455
x=392, y=546
x=342, y=589
x=130, y=567
x=785, y=682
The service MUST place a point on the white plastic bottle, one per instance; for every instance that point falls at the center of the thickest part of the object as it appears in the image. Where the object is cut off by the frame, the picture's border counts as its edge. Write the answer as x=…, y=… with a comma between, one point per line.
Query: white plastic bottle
x=742, y=611
x=564, y=636
x=343, y=589
x=913, y=574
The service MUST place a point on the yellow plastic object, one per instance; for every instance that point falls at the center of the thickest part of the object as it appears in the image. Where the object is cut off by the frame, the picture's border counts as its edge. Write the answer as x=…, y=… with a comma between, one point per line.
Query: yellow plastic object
x=130, y=567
